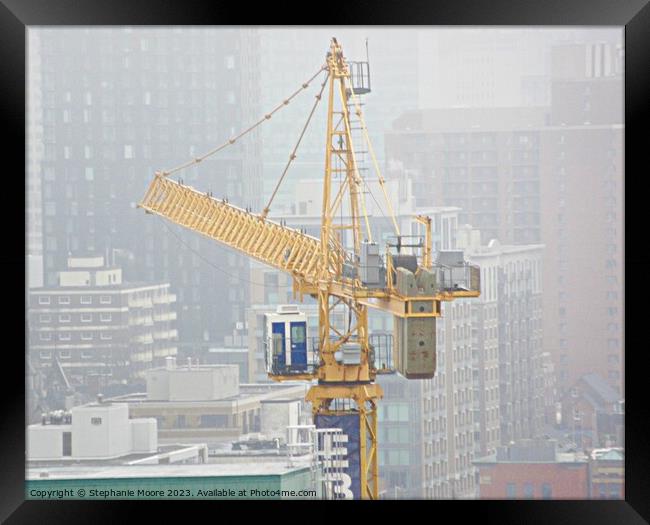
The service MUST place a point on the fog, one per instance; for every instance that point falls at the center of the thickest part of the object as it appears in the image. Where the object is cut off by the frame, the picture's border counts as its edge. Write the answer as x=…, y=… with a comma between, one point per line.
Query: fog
x=511, y=139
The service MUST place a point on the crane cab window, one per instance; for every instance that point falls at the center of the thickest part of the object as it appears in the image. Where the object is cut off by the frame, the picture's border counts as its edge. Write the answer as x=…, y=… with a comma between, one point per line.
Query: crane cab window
x=298, y=335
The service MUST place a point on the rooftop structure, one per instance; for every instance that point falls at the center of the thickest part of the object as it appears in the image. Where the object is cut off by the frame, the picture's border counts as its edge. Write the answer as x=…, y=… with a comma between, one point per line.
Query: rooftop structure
x=95, y=431
x=207, y=404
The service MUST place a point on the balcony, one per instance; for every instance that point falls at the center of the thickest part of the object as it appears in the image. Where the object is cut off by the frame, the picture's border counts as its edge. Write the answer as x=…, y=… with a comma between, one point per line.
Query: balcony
x=141, y=303
x=165, y=299
x=167, y=316
x=144, y=339
x=166, y=334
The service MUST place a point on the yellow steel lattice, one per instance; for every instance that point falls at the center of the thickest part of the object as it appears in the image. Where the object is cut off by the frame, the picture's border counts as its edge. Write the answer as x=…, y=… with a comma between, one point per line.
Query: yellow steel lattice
x=269, y=242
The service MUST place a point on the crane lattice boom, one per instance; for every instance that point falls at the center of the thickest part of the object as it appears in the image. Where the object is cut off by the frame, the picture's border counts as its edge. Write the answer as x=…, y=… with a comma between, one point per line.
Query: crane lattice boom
x=269, y=242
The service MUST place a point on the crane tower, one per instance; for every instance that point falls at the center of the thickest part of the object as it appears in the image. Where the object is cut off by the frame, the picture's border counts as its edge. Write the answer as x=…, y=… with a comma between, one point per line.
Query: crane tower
x=343, y=270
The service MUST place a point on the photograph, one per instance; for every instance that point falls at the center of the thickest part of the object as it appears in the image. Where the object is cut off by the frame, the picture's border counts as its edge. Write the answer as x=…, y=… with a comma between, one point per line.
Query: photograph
x=379, y=257
x=325, y=262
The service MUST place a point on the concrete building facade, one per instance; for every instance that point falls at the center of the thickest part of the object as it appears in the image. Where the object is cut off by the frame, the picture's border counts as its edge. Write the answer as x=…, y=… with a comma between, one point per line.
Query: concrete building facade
x=583, y=264
x=509, y=350
x=94, y=330
x=92, y=432
x=207, y=404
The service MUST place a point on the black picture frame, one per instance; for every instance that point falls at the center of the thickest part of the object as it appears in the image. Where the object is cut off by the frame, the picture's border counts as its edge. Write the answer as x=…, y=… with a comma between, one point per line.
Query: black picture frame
x=16, y=15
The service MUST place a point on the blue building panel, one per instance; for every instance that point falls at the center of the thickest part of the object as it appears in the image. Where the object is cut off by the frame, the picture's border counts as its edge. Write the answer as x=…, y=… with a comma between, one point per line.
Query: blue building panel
x=349, y=458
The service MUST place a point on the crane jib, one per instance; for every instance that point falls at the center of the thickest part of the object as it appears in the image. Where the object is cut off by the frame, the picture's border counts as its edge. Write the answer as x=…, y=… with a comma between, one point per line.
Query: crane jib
x=278, y=246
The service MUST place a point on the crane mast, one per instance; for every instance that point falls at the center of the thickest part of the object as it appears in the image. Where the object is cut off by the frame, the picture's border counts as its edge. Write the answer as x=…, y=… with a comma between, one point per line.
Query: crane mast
x=331, y=270
x=350, y=384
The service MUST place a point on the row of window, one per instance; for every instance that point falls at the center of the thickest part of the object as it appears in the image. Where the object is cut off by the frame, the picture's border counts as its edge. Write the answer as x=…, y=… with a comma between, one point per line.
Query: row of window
x=67, y=336
x=85, y=317
x=66, y=354
x=65, y=299
x=528, y=490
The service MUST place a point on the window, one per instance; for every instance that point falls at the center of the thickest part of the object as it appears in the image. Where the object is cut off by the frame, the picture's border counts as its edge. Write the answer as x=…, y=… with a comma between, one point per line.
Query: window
x=65, y=354
x=213, y=421
x=86, y=336
x=128, y=151
x=105, y=299
x=547, y=493
x=297, y=333
x=43, y=299
x=528, y=490
x=45, y=336
x=86, y=317
x=86, y=299
x=511, y=490
x=45, y=318
x=67, y=444
x=105, y=317
x=64, y=299
x=85, y=354
x=65, y=336
x=45, y=354
x=64, y=318
x=105, y=336
x=95, y=420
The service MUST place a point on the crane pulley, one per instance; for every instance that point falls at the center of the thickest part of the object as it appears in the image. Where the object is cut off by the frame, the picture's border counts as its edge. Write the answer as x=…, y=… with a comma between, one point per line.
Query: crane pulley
x=341, y=269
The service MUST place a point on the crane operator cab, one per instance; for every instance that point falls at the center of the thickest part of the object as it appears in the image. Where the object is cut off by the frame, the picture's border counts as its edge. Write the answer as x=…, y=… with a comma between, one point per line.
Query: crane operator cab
x=285, y=341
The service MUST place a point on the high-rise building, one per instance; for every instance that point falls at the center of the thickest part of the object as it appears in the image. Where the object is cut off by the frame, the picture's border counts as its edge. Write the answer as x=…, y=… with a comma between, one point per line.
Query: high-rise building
x=399, y=428
x=581, y=191
x=520, y=174
x=509, y=313
x=34, y=205
x=93, y=332
x=119, y=104
x=489, y=385
x=448, y=409
x=482, y=160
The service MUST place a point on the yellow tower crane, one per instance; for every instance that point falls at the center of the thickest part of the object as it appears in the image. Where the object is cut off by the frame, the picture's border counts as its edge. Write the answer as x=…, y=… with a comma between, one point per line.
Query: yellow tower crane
x=409, y=287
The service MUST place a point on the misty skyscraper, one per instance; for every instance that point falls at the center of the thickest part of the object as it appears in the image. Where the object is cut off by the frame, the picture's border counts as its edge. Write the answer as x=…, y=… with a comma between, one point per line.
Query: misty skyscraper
x=119, y=104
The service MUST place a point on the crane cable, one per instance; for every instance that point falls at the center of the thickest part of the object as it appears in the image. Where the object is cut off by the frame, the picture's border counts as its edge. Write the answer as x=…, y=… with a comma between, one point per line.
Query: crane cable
x=232, y=140
x=210, y=263
x=292, y=156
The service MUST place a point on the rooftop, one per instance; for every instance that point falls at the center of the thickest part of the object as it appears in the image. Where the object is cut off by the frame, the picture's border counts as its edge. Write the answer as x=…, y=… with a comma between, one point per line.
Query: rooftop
x=255, y=467
x=247, y=391
x=601, y=388
x=94, y=463
x=560, y=457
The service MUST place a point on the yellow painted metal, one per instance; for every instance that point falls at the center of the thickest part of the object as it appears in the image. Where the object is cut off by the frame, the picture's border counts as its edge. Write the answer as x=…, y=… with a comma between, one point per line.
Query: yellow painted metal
x=427, y=262
x=267, y=241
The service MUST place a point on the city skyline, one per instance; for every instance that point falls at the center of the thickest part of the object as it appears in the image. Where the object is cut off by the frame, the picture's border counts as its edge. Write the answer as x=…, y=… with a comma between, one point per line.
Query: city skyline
x=503, y=142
